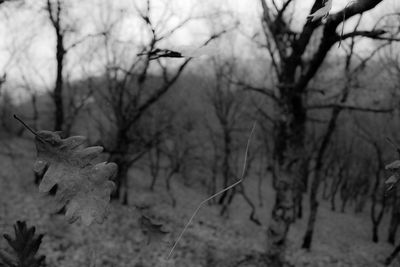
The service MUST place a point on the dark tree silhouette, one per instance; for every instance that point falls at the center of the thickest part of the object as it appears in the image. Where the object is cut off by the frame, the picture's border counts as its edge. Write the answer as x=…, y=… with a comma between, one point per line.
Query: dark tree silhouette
x=294, y=67
x=55, y=10
x=131, y=92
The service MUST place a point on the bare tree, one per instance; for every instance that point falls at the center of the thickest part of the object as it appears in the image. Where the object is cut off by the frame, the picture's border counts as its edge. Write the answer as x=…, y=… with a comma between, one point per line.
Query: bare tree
x=350, y=74
x=77, y=98
x=64, y=27
x=227, y=110
x=180, y=150
x=336, y=183
x=226, y=126
x=294, y=67
x=55, y=12
x=130, y=90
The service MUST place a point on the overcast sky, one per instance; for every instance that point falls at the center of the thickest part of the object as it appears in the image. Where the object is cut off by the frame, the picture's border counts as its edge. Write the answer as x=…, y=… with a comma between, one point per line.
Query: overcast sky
x=28, y=41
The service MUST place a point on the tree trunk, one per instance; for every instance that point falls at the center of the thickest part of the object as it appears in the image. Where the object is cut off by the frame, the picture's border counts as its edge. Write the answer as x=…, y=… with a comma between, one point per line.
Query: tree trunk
x=154, y=166
x=121, y=180
x=392, y=256
x=313, y=213
x=344, y=202
x=375, y=236
x=282, y=217
x=120, y=156
x=298, y=201
x=225, y=165
x=325, y=193
x=333, y=202
x=334, y=190
x=58, y=90
x=289, y=168
x=228, y=200
x=377, y=218
x=318, y=175
x=168, y=184
x=394, y=221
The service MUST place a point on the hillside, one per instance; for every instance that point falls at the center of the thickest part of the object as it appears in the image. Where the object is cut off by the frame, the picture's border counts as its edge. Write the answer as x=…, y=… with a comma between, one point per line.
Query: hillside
x=341, y=239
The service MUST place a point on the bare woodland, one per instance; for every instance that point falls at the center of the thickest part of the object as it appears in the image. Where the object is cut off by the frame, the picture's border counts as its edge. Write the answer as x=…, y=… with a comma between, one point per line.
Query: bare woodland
x=296, y=106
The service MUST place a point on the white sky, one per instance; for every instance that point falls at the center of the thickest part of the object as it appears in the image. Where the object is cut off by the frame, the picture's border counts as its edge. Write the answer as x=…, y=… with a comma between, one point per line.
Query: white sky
x=28, y=42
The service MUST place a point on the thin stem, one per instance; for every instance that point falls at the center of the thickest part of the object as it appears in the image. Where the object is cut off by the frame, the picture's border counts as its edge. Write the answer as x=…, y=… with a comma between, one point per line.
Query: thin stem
x=344, y=20
x=26, y=126
x=216, y=194
x=29, y=128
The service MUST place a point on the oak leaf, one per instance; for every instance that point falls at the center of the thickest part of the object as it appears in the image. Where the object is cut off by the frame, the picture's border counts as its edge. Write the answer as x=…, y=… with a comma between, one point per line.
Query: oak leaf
x=82, y=184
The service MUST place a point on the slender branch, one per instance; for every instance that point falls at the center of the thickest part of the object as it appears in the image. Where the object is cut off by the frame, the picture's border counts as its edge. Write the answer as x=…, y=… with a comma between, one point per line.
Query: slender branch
x=83, y=39
x=261, y=90
x=282, y=10
x=348, y=107
x=25, y=125
x=374, y=34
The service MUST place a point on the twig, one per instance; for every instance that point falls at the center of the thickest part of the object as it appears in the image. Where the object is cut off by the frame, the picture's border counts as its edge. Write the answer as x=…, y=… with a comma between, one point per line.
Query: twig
x=344, y=20
x=216, y=194
x=26, y=126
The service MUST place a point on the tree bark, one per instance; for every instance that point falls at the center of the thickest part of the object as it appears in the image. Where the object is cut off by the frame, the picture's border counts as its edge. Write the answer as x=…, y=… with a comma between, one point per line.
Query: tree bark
x=58, y=90
x=376, y=218
x=394, y=223
x=289, y=171
x=226, y=168
x=375, y=236
x=392, y=256
x=120, y=156
x=54, y=11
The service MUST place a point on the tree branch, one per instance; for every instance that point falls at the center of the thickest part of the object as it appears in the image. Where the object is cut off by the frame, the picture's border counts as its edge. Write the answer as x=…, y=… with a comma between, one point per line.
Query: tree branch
x=330, y=37
x=374, y=34
x=349, y=107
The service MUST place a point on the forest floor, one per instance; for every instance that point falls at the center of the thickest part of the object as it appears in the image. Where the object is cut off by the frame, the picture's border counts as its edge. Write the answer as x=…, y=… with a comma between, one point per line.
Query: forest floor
x=341, y=239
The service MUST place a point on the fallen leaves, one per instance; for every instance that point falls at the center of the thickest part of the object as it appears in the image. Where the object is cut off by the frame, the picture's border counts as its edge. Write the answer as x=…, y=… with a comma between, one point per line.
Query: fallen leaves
x=153, y=231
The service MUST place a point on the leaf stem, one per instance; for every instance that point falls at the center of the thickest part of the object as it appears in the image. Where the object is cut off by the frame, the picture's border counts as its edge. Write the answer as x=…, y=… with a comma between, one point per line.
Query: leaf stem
x=26, y=126
x=29, y=128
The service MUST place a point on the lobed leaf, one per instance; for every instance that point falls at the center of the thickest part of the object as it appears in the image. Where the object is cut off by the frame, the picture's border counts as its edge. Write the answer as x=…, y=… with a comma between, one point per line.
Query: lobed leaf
x=25, y=246
x=83, y=184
